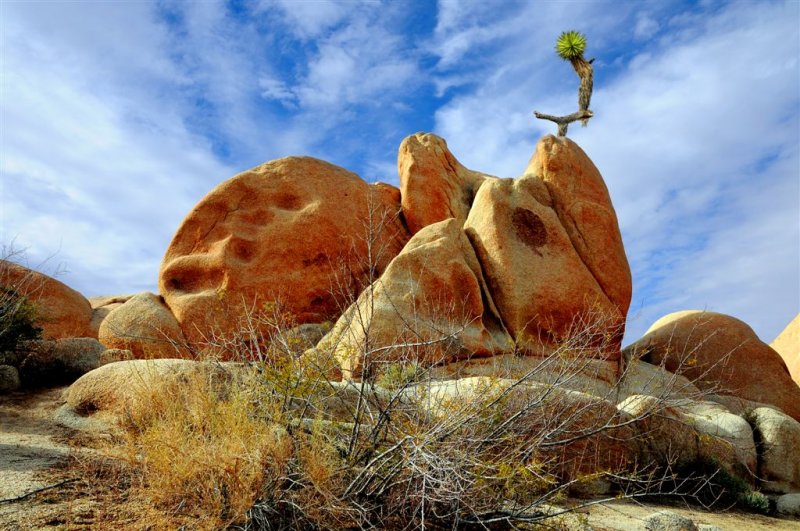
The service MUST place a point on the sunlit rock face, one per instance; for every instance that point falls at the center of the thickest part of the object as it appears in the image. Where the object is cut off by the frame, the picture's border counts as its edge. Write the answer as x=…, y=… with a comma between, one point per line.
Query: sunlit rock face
x=721, y=354
x=297, y=230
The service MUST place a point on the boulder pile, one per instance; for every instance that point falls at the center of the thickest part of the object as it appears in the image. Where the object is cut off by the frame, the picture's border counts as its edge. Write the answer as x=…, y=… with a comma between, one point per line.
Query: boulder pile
x=481, y=279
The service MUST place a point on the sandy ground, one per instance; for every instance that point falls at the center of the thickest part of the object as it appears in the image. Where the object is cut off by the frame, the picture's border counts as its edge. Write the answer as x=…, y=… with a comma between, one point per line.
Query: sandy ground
x=37, y=457
x=36, y=482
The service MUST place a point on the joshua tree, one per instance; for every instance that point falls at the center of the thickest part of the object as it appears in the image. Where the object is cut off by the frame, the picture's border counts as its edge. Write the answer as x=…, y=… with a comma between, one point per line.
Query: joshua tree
x=570, y=47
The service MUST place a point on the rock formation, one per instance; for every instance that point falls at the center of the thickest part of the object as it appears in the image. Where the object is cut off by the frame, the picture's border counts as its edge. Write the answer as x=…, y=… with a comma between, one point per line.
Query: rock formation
x=787, y=344
x=296, y=230
x=550, y=261
x=61, y=311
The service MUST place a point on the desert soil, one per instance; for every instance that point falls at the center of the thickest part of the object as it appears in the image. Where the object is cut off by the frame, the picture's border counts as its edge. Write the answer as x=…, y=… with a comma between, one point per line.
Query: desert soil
x=41, y=487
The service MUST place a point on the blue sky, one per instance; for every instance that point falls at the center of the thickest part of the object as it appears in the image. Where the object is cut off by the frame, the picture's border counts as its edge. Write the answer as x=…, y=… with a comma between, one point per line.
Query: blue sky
x=117, y=117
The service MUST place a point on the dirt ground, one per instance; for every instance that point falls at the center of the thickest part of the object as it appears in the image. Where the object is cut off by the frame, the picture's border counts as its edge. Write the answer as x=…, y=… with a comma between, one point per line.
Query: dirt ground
x=47, y=481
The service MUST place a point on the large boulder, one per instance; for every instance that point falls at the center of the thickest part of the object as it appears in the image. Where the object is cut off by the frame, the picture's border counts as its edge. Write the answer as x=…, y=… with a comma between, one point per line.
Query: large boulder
x=542, y=287
x=431, y=305
x=146, y=327
x=61, y=311
x=299, y=231
x=719, y=354
x=433, y=184
x=787, y=344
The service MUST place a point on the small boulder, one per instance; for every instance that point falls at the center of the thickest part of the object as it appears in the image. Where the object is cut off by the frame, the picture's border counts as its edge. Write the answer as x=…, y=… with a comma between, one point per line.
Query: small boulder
x=787, y=344
x=9, y=379
x=719, y=354
x=61, y=311
x=682, y=431
x=788, y=504
x=668, y=521
x=779, y=441
x=298, y=231
x=109, y=392
x=145, y=326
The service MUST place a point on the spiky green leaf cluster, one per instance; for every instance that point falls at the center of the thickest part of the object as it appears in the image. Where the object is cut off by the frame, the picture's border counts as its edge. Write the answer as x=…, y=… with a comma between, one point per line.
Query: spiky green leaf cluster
x=570, y=44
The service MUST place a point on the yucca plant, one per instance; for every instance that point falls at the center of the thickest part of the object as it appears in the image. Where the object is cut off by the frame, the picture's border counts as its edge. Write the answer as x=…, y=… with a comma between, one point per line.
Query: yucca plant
x=570, y=47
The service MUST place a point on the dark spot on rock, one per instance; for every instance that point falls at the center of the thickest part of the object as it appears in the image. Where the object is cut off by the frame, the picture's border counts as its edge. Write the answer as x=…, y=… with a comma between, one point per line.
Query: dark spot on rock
x=317, y=301
x=529, y=227
x=320, y=259
x=287, y=201
x=243, y=250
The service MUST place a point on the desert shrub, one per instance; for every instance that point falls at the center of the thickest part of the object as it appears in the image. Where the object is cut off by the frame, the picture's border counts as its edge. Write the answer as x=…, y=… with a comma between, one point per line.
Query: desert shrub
x=17, y=320
x=709, y=483
x=202, y=452
x=400, y=375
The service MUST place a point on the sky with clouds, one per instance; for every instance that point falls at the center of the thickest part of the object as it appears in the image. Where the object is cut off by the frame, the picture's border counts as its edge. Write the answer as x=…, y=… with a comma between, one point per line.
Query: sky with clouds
x=117, y=117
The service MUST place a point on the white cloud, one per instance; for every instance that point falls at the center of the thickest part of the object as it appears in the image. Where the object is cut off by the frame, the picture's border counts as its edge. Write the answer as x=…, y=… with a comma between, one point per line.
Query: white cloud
x=92, y=172
x=645, y=27
x=310, y=20
x=277, y=90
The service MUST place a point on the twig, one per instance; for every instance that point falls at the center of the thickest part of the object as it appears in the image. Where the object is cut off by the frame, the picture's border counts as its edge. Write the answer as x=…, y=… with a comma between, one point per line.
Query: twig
x=564, y=121
x=31, y=493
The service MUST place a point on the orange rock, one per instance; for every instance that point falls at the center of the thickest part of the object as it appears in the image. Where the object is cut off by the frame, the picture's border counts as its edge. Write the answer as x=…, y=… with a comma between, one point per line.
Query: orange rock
x=434, y=185
x=145, y=326
x=293, y=230
x=62, y=312
x=430, y=306
x=720, y=354
x=581, y=201
x=542, y=288
x=787, y=344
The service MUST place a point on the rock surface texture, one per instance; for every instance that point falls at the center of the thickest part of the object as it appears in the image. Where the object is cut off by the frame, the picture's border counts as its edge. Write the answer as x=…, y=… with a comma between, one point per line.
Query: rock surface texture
x=719, y=353
x=787, y=344
x=296, y=230
x=61, y=311
x=145, y=326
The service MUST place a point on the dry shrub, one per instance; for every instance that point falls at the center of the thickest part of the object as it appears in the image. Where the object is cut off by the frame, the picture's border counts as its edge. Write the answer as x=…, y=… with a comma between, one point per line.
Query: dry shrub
x=201, y=450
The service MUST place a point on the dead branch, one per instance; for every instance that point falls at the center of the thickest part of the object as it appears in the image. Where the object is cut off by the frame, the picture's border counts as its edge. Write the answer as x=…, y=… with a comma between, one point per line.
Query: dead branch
x=564, y=121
